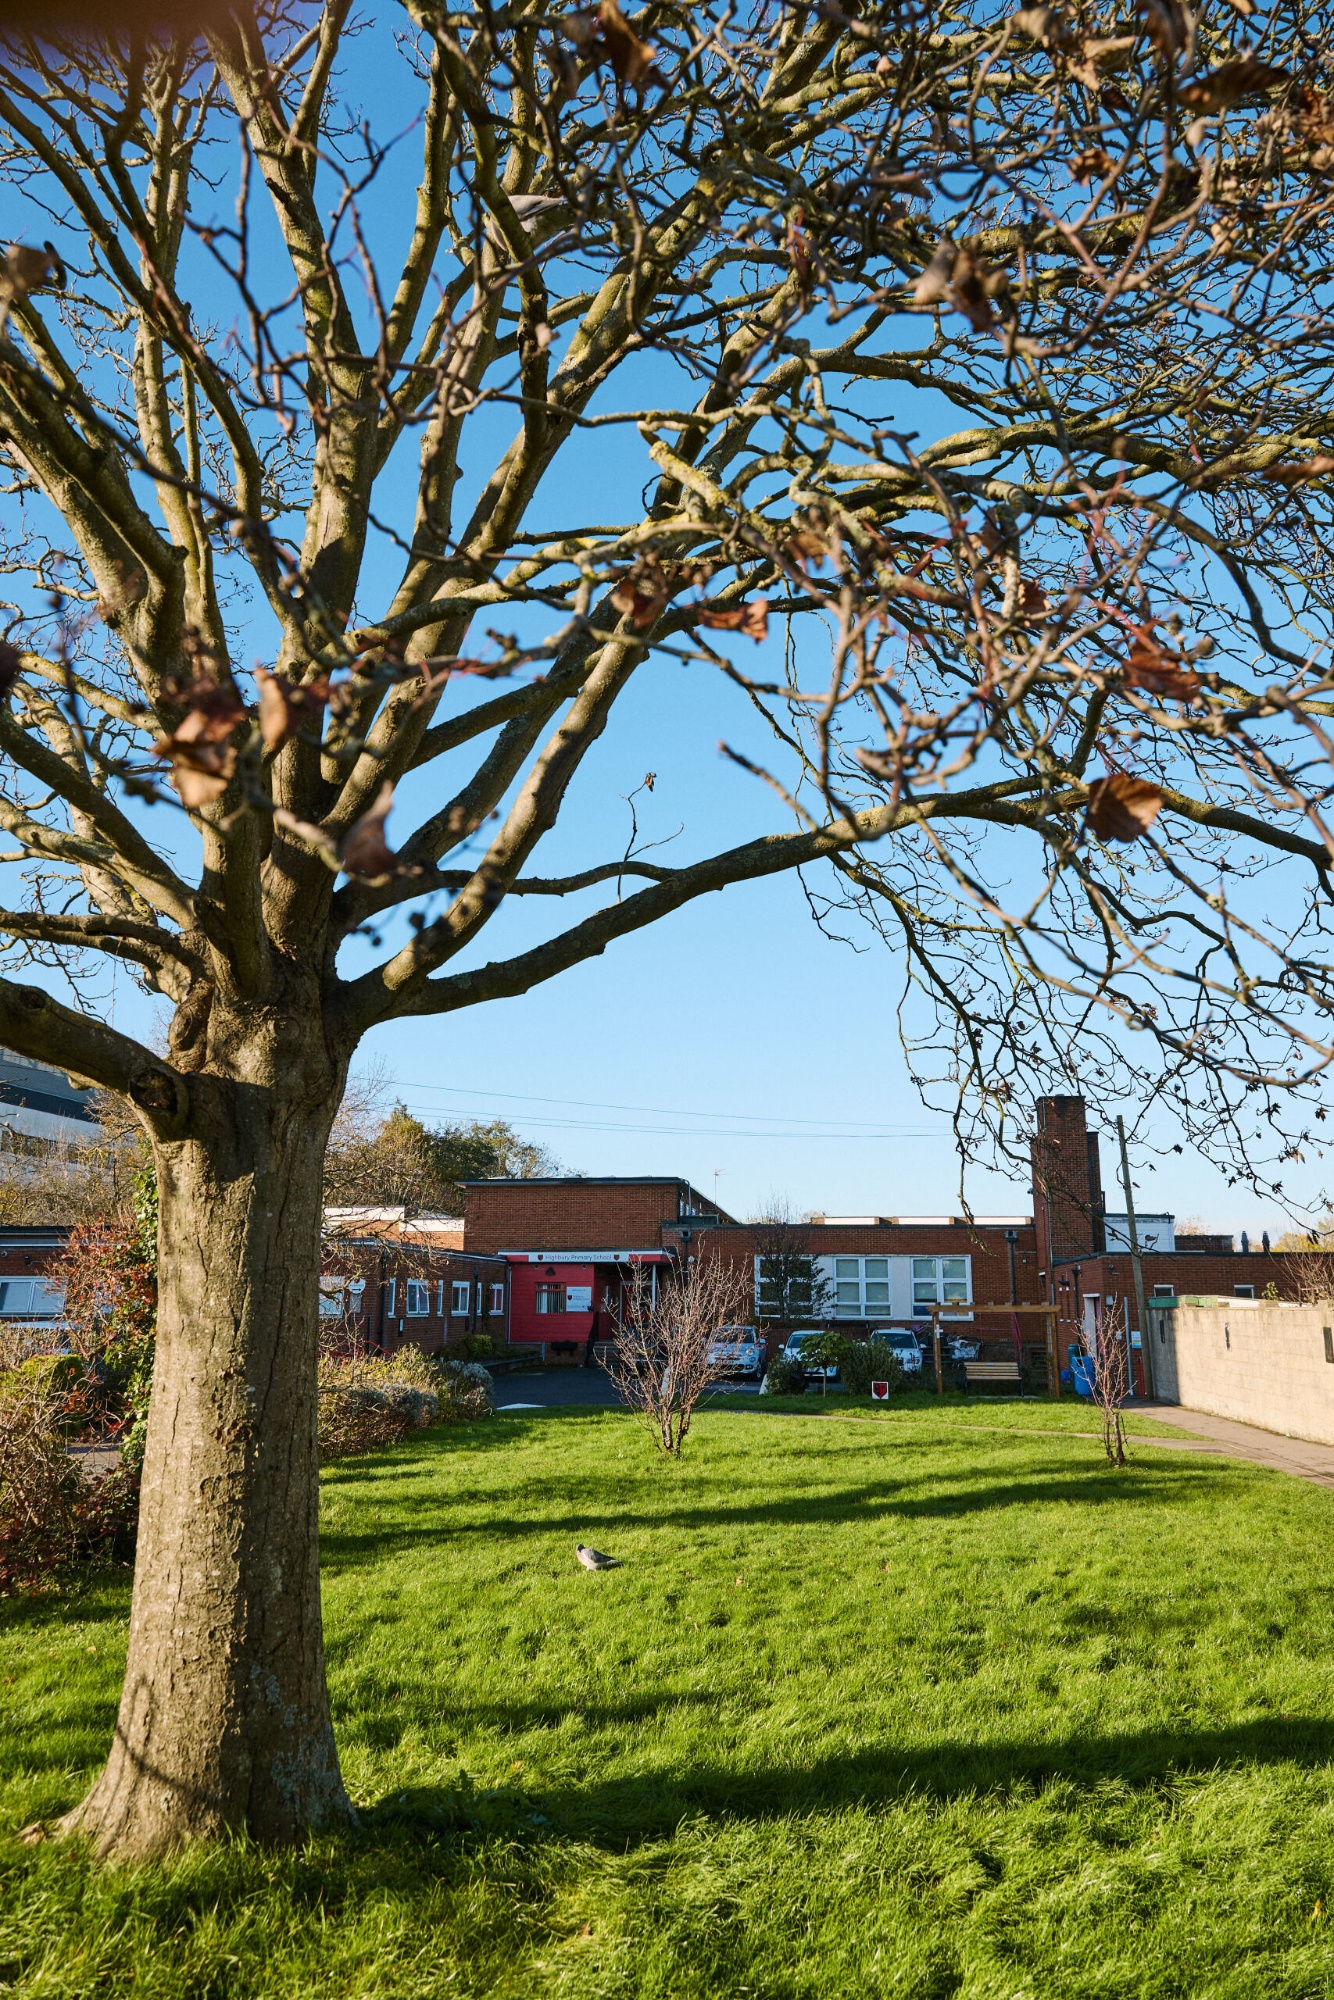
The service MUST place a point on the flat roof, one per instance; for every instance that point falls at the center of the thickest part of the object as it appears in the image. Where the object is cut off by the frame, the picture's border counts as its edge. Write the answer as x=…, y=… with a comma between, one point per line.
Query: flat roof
x=581, y=1180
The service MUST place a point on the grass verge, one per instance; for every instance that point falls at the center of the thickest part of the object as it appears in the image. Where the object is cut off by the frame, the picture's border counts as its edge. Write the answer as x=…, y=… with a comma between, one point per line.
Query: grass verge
x=894, y=1707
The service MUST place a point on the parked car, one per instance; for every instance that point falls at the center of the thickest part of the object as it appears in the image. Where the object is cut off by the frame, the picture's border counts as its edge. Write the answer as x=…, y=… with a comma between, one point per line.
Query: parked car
x=905, y=1345
x=739, y=1350
x=806, y=1336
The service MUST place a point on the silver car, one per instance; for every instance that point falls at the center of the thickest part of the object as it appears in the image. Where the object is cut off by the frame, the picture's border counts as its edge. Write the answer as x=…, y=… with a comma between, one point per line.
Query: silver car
x=737, y=1350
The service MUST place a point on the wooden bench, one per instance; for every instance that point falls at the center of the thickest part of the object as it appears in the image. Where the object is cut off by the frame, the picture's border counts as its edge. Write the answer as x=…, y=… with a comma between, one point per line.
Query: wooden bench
x=990, y=1371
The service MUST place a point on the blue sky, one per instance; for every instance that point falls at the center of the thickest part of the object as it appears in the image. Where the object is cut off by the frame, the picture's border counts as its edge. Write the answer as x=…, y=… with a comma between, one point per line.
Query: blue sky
x=734, y=1036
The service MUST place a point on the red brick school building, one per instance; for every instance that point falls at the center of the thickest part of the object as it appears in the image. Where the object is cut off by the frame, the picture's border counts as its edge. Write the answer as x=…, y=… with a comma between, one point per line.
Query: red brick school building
x=544, y=1262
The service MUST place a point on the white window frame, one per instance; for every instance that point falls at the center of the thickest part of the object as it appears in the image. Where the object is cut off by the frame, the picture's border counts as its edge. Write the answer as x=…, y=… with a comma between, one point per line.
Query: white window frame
x=498, y=1299
x=416, y=1299
x=1169, y=1291
x=863, y=1287
x=460, y=1297
x=549, y=1299
x=940, y=1283
x=332, y=1293
x=767, y=1307
x=391, y=1297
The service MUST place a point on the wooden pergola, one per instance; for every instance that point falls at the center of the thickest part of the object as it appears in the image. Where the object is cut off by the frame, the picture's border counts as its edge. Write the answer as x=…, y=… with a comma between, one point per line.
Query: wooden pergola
x=1049, y=1313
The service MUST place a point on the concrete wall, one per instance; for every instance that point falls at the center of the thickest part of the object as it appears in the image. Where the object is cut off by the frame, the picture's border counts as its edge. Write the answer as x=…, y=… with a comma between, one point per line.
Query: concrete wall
x=1256, y=1360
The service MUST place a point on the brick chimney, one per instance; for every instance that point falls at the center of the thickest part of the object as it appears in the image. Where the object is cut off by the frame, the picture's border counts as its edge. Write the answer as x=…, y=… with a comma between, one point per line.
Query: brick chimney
x=1067, y=1183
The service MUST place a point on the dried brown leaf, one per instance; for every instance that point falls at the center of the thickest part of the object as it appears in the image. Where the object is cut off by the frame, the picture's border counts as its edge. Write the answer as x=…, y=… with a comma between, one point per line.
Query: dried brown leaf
x=798, y=248
x=1169, y=27
x=1246, y=76
x=631, y=59
x=203, y=774
x=28, y=270
x=1158, y=670
x=1121, y=807
x=287, y=706
x=199, y=749
x=1033, y=599
x=934, y=282
x=1090, y=165
x=1040, y=24
x=642, y=593
x=808, y=547
x=212, y=710
x=752, y=617
x=581, y=28
x=1297, y=472
x=365, y=851
x=968, y=291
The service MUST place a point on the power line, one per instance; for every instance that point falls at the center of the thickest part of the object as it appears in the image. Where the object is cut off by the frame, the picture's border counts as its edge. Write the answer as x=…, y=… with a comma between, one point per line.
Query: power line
x=848, y=1127
x=861, y=1136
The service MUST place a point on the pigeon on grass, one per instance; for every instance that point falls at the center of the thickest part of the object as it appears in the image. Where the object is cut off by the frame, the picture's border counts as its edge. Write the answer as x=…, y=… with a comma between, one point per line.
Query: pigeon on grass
x=594, y=1559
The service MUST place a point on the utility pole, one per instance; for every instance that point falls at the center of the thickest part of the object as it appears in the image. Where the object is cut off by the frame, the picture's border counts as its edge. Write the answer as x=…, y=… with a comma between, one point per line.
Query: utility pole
x=1135, y=1265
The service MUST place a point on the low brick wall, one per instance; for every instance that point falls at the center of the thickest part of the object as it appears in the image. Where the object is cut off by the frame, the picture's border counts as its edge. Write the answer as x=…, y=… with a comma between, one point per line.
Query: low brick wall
x=1256, y=1360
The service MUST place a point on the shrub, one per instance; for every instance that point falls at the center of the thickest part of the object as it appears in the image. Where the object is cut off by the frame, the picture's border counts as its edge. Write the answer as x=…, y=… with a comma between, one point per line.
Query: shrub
x=466, y=1391
x=51, y=1514
x=473, y=1347
x=868, y=1361
x=368, y=1401
x=784, y=1377
x=357, y=1414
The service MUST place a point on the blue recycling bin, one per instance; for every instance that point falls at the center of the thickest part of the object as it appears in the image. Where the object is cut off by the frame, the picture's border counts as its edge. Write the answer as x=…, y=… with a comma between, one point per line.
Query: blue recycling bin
x=1081, y=1367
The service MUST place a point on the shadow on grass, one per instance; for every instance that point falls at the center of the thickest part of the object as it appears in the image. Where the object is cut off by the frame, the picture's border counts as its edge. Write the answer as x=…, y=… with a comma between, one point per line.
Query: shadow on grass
x=95, y=1595
x=625, y=1811
x=1135, y=1487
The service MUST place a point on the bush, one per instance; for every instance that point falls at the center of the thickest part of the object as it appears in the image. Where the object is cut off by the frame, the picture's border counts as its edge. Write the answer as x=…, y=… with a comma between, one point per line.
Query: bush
x=784, y=1377
x=51, y=1514
x=359, y=1415
x=466, y=1391
x=868, y=1361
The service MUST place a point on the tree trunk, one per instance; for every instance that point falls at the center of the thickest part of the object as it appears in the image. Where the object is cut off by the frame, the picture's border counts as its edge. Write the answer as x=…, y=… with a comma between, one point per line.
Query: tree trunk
x=224, y=1720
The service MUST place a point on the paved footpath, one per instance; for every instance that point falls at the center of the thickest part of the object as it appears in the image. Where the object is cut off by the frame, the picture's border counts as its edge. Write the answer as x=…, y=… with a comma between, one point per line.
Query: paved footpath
x=1284, y=1454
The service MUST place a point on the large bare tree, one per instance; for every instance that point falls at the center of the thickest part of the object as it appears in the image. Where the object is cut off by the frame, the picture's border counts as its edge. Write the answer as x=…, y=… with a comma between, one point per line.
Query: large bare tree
x=982, y=358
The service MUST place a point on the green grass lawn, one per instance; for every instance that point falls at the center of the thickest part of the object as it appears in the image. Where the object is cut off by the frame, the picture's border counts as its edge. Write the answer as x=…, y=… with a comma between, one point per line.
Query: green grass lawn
x=882, y=1703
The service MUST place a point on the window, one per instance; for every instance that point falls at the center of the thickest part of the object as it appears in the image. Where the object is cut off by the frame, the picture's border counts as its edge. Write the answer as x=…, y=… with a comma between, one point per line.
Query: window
x=551, y=1298
x=331, y=1297
x=1239, y=1291
x=941, y=1281
x=497, y=1298
x=1167, y=1291
x=30, y=1298
x=390, y=1296
x=861, y=1287
x=460, y=1296
x=875, y=1271
x=419, y=1299
x=785, y=1286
